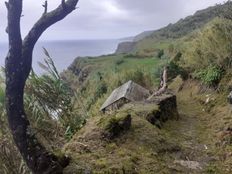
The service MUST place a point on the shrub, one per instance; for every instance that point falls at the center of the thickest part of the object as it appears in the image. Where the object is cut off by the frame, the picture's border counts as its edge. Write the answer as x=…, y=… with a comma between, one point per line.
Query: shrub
x=48, y=99
x=2, y=96
x=131, y=56
x=174, y=70
x=160, y=54
x=136, y=75
x=177, y=57
x=119, y=62
x=210, y=76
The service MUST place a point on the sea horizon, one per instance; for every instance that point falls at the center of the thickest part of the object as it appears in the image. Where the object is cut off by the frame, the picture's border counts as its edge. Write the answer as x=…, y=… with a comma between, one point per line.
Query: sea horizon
x=64, y=52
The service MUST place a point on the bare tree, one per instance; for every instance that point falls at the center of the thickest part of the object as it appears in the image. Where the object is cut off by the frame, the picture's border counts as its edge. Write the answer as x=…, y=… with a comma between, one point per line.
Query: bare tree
x=18, y=66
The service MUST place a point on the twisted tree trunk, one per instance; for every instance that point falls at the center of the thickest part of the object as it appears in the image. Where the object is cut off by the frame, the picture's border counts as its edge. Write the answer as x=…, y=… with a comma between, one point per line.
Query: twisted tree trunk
x=163, y=84
x=18, y=66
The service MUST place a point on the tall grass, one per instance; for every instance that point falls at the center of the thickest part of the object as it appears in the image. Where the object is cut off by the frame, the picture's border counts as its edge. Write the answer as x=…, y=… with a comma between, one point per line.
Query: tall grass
x=49, y=104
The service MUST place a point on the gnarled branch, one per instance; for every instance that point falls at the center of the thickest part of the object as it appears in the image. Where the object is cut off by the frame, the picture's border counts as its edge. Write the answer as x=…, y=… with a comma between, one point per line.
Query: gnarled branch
x=46, y=20
x=163, y=84
x=49, y=19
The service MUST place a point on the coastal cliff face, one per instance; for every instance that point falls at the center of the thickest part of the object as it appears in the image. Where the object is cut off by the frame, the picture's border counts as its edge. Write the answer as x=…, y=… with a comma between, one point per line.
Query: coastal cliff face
x=125, y=47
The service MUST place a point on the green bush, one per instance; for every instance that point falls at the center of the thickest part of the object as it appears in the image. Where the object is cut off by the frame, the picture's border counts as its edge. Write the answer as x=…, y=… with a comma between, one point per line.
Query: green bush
x=2, y=96
x=177, y=57
x=49, y=99
x=119, y=62
x=174, y=70
x=210, y=76
x=160, y=54
x=130, y=56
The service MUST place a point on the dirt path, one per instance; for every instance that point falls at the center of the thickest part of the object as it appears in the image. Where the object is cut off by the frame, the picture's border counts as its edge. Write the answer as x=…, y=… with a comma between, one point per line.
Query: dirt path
x=192, y=133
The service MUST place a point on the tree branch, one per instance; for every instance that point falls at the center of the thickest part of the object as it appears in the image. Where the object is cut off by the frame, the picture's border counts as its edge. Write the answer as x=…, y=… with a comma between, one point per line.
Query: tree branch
x=49, y=19
x=63, y=4
x=7, y=5
x=45, y=5
x=46, y=20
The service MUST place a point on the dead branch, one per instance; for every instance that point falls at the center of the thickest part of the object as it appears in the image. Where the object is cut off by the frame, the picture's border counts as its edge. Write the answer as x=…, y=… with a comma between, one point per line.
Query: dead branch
x=45, y=5
x=163, y=84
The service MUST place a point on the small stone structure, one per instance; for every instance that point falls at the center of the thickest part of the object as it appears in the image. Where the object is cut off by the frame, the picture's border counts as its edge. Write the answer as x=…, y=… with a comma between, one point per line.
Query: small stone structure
x=128, y=92
x=167, y=108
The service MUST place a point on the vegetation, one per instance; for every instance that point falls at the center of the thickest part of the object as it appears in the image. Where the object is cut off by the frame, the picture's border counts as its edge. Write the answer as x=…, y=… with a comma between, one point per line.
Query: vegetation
x=210, y=76
x=97, y=86
x=63, y=109
x=60, y=103
x=49, y=103
x=18, y=66
x=160, y=53
x=210, y=46
x=197, y=50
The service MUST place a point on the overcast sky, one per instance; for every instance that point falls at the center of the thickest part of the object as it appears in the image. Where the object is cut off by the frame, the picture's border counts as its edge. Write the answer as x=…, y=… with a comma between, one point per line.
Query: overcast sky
x=105, y=19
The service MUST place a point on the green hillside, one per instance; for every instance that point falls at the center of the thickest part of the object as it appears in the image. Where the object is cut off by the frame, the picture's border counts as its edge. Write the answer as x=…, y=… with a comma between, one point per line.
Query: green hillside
x=197, y=52
x=198, y=49
x=152, y=40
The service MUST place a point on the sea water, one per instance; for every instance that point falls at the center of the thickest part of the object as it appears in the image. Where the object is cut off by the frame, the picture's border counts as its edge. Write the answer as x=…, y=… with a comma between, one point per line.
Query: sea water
x=63, y=53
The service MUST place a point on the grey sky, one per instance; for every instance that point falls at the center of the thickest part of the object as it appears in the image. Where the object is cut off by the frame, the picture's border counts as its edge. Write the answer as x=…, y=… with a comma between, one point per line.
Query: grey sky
x=107, y=18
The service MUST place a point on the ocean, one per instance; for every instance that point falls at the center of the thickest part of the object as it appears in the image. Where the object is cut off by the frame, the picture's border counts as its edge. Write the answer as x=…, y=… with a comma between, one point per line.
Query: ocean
x=64, y=52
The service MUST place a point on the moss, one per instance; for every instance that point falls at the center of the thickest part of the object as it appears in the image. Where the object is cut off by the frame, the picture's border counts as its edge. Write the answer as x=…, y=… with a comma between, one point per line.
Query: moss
x=177, y=84
x=101, y=163
x=133, y=152
x=62, y=158
x=111, y=146
x=113, y=126
x=212, y=169
x=146, y=149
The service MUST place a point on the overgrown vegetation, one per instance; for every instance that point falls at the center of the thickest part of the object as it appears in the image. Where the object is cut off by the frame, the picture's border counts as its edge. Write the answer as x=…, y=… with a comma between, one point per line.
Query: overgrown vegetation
x=50, y=106
x=210, y=76
x=10, y=159
x=108, y=73
x=48, y=98
x=58, y=105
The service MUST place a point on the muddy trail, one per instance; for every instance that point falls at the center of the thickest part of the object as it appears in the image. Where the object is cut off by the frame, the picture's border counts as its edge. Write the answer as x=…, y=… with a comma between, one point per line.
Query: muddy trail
x=194, y=155
x=197, y=138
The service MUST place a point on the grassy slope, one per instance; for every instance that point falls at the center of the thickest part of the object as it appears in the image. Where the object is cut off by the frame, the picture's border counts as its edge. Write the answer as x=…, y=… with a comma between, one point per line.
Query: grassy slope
x=146, y=149
x=162, y=38
x=197, y=136
x=114, y=70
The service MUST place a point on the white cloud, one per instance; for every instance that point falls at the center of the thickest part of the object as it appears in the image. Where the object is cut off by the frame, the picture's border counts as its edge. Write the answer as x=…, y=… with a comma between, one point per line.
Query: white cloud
x=107, y=18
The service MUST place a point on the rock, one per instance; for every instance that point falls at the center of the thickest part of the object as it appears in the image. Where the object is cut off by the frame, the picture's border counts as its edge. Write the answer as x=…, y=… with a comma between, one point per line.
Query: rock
x=230, y=98
x=167, y=107
x=194, y=165
x=156, y=111
x=177, y=84
x=154, y=118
